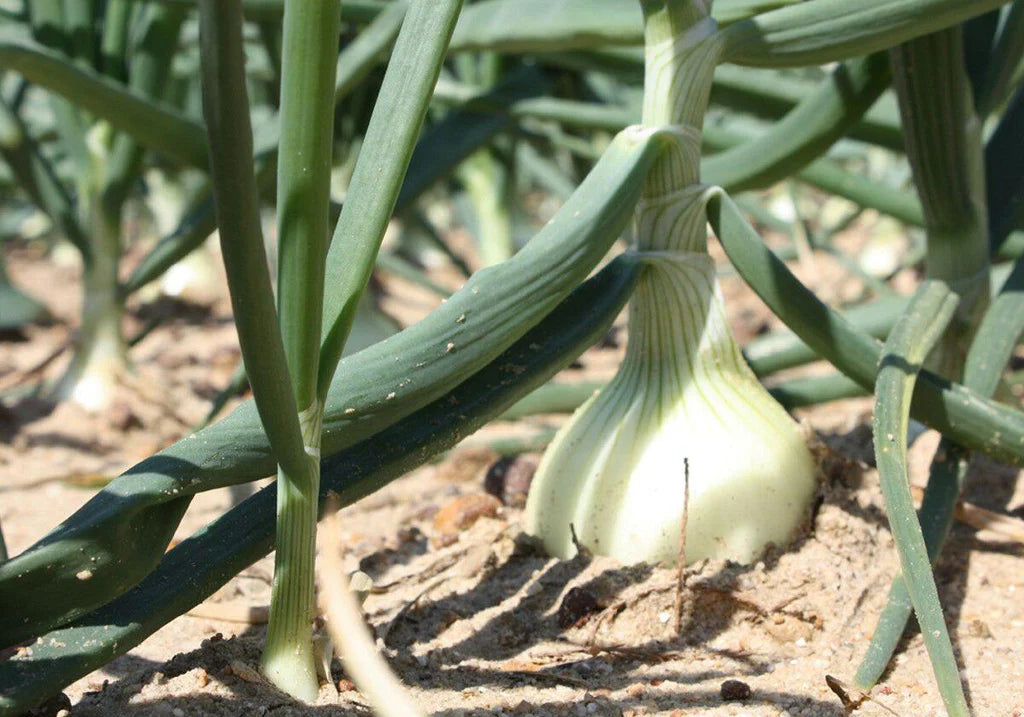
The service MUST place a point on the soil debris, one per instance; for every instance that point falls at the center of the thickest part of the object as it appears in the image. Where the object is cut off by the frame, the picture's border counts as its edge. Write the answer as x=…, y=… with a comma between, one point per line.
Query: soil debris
x=734, y=690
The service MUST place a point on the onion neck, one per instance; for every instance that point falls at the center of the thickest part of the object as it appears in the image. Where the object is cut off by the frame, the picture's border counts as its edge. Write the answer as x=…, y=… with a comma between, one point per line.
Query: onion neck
x=681, y=50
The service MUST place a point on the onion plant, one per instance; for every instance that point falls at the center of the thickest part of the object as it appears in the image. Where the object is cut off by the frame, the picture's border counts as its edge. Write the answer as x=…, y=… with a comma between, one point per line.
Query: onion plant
x=85, y=181
x=339, y=428
x=611, y=480
x=87, y=124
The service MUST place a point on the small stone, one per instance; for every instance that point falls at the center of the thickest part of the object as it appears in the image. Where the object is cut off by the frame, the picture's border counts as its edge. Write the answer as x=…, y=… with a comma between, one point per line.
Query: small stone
x=460, y=513
x=84, y=574
x=178, y=712
x=732, y=690
x=377, y=562
x=243, y=672
x=577, y=605
x=509, y=479
x=978, y=628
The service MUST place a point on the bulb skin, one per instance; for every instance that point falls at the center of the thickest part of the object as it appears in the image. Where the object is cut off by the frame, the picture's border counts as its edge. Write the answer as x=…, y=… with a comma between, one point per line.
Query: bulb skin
x=615, y=472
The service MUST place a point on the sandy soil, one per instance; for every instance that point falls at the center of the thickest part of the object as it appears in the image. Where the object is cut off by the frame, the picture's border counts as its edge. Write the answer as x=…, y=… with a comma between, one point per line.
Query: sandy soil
x=481, y=622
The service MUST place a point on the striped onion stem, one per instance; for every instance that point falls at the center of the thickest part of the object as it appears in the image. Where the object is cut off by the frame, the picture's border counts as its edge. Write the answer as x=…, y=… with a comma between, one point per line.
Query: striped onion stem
x=310, y=39
x=100, y=355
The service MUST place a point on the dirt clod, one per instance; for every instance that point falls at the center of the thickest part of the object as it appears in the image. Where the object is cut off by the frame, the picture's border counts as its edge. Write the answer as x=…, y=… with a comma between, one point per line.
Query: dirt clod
x=509, y=479
x=734, y=690
x=52, y=707
x=460, y=513
x=978, y=628
x=577, y=605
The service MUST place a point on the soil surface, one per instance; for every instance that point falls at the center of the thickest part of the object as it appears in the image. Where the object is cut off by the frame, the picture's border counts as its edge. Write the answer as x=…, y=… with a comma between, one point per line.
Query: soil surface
x=478, y=621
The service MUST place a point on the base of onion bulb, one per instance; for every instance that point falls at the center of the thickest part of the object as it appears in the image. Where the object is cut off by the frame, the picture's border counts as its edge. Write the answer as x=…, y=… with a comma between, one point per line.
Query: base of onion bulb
x=614, y=478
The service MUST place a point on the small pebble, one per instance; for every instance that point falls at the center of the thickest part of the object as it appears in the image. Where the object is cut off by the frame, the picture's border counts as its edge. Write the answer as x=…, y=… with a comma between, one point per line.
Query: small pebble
x=734, y=690
x=244, y=672
x=508, y=479
x=460, y=513
x=578, y=604
x=978, y=628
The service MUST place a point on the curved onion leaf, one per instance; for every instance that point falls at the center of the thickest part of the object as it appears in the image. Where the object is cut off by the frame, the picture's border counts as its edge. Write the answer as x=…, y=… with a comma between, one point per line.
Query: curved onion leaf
x=820, y=31
x=198, y=566
x=128, y=525
x=152, y=124
x=806, y=131
x=913, y=337
x=993, y=345
x=947, y=407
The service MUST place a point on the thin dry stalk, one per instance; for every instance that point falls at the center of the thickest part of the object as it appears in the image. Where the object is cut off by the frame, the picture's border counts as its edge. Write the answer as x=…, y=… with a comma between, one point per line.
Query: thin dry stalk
x=234, y=611
x=681, y=556
x=970, y=514
x=356, y=647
